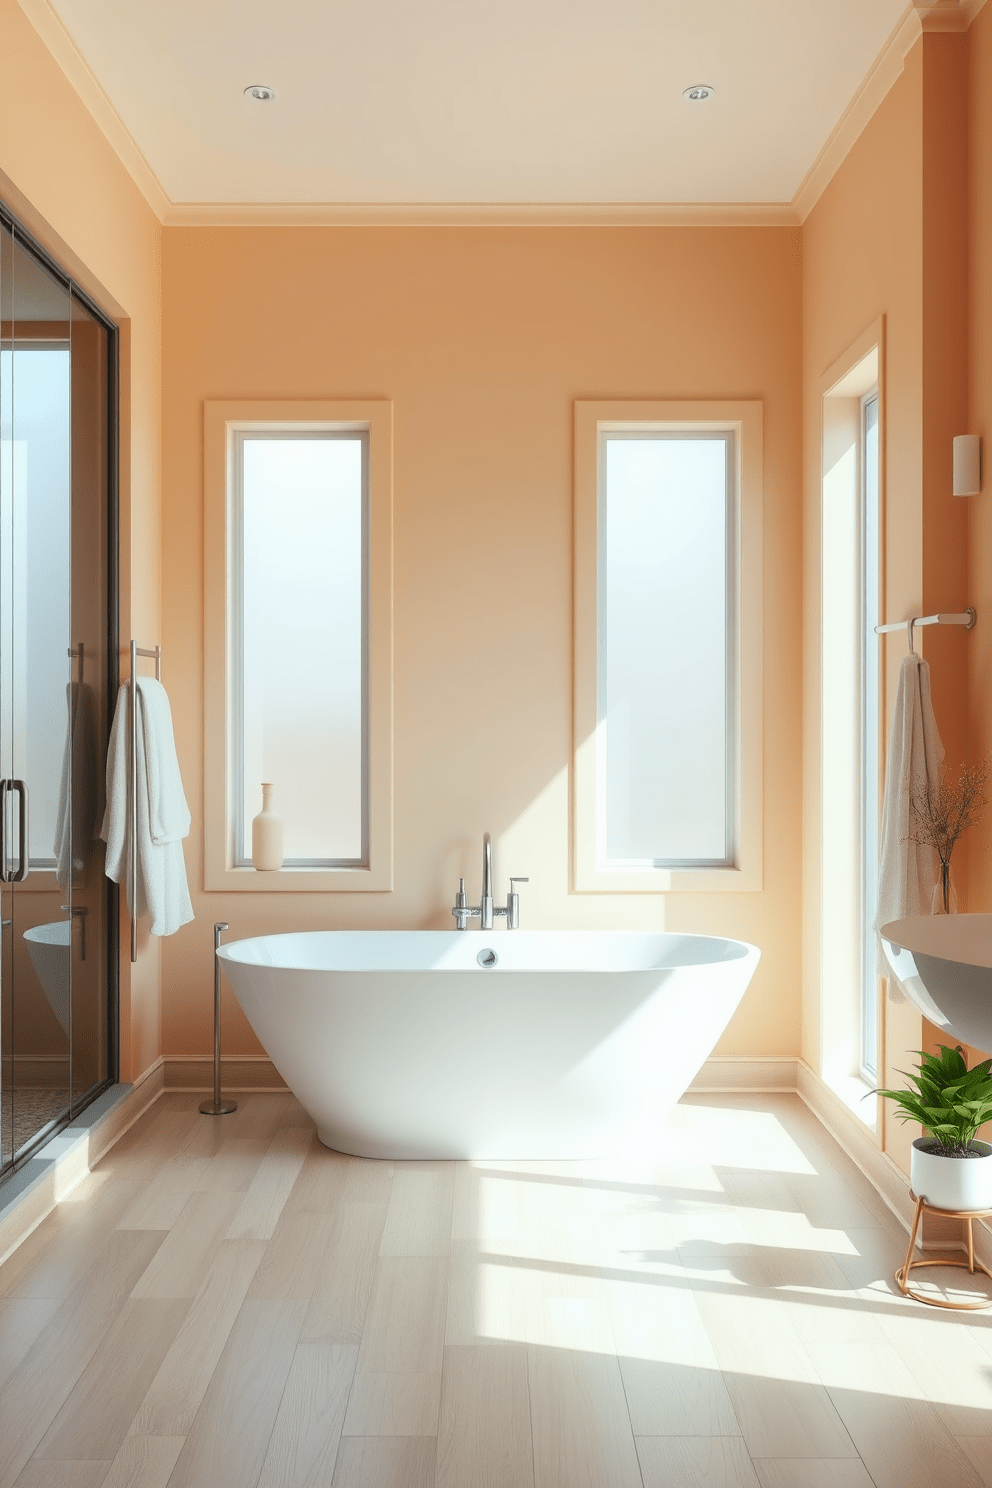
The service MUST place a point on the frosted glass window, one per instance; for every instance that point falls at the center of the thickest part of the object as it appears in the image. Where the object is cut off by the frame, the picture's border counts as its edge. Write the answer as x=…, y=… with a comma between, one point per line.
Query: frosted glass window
x=665, y=675
x=299, y=598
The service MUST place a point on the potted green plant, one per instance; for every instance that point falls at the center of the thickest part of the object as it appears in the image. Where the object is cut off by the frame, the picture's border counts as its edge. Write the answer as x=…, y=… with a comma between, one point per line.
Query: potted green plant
x=949, y=1168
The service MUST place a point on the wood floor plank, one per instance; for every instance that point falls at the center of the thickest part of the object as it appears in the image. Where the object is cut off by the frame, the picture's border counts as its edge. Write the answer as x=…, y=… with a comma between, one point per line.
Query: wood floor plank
x=385, y=1462
x=190, y=1247
x=233, y=1166
x=898, y=1434
x=695, y=1462
x=394, y=1405
x=808, y=1472
x=304, y=1442
x=321, y=1181
x=271, y=1186
x=51, y=1260
x=295, y=1261
x=978, y=1450
x=88, y=1474
x=581, y=1429
x=53, y=1364
x=418, y=1219
x=143, y=1150
x=144, y=1462
x=780, y=1403
x=670, y=1373
x=947, y=1362
x=404, y=1331
x=484, y=1434
x=22, y=1319
x=230, y=1435
x=178, y=1388
x=97, y=1414
x=341, y=1300
x=525, y=1299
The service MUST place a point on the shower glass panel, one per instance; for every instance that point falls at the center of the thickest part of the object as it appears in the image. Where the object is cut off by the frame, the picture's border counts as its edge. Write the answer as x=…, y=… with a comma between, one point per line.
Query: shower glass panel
x=55, y=977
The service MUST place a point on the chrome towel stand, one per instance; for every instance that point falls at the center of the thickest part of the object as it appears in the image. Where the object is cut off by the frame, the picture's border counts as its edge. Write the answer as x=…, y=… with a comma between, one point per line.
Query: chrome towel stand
x=966, y=618
x=218, y=1106
x=137, y=651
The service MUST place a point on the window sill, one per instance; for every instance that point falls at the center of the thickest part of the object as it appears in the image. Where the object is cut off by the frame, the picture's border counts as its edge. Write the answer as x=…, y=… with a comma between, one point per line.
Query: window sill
x=591, y=880
x=300, y=880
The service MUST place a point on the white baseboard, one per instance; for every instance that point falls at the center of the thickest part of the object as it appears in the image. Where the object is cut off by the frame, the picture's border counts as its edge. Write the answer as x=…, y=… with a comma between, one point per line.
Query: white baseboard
x=258, y=1074
x=725, y=1075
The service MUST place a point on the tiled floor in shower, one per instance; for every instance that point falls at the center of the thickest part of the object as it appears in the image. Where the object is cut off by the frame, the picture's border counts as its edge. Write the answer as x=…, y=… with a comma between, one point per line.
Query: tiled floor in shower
x=24, y=1111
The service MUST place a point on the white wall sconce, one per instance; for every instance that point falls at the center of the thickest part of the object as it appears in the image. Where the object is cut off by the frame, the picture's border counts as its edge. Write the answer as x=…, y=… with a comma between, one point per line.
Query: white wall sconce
x=967, y=465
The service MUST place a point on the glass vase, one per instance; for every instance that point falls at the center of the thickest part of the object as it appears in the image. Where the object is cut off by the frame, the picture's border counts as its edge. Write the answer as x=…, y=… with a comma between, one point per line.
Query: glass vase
x=944, y=899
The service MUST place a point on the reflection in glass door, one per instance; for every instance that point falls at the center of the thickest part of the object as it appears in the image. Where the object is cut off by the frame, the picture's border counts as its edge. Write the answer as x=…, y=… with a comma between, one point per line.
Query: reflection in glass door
x=57, y=977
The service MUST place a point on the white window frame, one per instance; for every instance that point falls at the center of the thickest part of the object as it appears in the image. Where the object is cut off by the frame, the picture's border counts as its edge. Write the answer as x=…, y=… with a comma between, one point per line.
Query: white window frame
x=743, y=420
x=838, y=916
x=223, y=420
x=871, y=739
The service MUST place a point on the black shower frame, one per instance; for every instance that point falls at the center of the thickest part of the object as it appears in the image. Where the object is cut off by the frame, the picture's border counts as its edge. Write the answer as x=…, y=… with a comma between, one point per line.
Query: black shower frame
x=20, y=234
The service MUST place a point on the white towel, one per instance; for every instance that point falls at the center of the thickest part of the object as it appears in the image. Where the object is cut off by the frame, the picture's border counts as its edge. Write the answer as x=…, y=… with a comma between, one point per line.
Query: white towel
x=906, y=873
x=163, y=815
x=78, y=788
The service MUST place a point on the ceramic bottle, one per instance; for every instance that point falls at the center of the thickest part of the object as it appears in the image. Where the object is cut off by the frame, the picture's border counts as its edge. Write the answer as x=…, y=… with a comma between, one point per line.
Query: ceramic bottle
x=266, y=834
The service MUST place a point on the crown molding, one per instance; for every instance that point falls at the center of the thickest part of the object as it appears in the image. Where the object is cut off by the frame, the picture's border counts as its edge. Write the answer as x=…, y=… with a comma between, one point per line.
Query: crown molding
x=942, y=15
x=920, y=16
x=60, y=44
x=885, y=72
x=481, y=214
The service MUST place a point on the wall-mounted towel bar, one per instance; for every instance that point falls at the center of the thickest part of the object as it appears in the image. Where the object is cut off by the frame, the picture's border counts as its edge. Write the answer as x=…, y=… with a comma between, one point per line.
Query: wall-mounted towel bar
x=966, y=618
x=137, y=651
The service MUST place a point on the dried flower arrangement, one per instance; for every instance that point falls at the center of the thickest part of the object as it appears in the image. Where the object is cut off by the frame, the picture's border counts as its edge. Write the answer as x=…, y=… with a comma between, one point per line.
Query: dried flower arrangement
x=939, y=817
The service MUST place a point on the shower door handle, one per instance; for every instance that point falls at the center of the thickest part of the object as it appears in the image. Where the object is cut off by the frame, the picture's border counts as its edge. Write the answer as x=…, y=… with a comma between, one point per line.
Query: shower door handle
x=23, y=865
x=4, y=869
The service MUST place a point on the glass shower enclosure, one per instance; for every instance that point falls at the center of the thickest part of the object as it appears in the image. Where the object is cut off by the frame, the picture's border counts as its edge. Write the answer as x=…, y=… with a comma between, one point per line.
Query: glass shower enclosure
x=58, y=650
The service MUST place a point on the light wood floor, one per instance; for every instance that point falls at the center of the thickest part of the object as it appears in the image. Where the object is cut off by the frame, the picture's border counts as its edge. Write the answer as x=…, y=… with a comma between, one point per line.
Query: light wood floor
x=223, y=1304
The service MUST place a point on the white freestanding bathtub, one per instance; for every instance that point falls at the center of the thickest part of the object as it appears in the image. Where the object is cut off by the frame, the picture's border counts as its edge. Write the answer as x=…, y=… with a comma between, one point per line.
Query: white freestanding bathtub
x=406, y=1044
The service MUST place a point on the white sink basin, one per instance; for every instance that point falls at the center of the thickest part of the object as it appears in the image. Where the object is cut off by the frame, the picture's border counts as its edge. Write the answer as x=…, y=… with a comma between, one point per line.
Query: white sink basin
x=943, y=963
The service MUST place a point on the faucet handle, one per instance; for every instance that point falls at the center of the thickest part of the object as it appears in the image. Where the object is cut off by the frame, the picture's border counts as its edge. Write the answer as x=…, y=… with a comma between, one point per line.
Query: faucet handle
x=513, y=904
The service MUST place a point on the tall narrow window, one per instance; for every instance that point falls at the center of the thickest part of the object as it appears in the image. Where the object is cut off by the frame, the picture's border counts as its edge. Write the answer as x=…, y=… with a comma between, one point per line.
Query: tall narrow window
x=297, y=604
x=849, y=724
x=667, y=789
x=870, y=740
x=299, y=629
x=666, y=620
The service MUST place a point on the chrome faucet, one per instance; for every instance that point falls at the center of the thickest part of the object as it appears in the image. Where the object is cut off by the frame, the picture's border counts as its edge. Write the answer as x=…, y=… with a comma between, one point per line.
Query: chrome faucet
x=486, y=910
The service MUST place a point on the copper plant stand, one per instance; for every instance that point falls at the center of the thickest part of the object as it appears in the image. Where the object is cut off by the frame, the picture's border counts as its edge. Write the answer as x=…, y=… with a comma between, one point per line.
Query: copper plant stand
x=971, y=1265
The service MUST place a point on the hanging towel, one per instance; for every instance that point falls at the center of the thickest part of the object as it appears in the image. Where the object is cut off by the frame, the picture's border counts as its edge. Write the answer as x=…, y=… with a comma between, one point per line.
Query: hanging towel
x=906, y=873
x=78, y=789
x=163, y=815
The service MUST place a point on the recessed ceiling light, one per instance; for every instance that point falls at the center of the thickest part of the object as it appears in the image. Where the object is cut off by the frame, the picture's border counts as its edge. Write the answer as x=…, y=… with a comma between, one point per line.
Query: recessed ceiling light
x=259, y=91
x=697, y=93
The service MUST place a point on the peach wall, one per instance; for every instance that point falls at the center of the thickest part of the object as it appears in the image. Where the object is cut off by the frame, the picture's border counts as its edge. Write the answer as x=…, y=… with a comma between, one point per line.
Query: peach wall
x=978, y=509
x=888, y=239
x=59, y=174
x=483, y=338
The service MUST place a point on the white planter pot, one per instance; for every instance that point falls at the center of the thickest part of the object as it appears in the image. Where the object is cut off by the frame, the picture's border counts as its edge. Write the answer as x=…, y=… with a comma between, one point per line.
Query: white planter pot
x=952, y=1182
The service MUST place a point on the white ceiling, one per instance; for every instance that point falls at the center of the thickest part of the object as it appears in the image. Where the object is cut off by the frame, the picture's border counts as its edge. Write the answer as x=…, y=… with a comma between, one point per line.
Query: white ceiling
x=479, y=101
